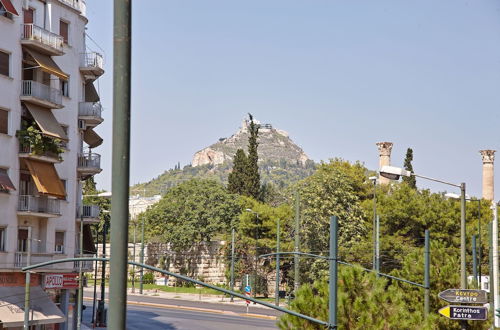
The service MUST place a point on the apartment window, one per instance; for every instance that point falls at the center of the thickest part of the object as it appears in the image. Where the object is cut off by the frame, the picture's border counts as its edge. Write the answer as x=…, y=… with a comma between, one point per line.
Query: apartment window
x=4, y=63
x=63, y=30
x=28, y=15
x=2, y=238
x=4, y=121
x=22, y=240
x=59, y=246
x=64, y=87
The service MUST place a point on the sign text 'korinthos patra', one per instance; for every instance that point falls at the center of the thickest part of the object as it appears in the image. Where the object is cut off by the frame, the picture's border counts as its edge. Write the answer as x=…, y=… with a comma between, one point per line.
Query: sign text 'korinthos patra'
x=471, y=313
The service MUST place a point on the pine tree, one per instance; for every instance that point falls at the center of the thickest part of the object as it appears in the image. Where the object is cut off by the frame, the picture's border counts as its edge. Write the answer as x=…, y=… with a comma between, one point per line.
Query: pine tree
x=410, y=180
x=237, y=178
x=252, y=171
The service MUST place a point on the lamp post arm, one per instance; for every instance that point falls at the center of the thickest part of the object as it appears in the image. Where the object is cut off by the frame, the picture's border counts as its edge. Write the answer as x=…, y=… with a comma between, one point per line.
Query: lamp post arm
x=436, y=180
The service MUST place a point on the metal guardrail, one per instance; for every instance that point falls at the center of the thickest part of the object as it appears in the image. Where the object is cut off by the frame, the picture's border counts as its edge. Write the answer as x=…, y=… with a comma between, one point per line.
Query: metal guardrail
x=92, y=60
x=45, y=37
x=38, y=204
x=89, y=161
x=90, y=109
x=35, y=89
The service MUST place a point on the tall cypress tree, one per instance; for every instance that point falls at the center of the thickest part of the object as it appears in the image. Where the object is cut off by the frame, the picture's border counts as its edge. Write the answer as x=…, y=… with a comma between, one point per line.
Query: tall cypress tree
x=237, y=178
x=252, y=171
x=410, y=180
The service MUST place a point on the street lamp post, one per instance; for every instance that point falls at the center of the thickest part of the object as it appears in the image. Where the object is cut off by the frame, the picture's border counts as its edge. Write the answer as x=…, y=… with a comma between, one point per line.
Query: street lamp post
x=374, y=180
x=141, y=283
x=256, y=254
x=394, y=173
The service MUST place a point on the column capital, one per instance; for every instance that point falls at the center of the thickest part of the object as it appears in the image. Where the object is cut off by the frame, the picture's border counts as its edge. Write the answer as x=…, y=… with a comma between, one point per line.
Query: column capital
x=384, y=148
x=488, y=156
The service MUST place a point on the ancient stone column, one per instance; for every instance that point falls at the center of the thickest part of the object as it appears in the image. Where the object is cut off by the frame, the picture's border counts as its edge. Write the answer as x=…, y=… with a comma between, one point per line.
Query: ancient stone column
x=384, y=151
x=488, y=177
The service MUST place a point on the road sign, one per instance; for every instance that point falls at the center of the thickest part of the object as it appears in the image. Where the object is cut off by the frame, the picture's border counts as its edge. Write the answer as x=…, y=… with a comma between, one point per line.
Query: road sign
x=248, y=293
x=469, y=313
x=464, y=296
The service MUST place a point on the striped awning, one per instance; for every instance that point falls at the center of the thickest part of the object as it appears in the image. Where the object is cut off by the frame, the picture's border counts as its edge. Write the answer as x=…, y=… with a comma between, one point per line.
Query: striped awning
x=46, y=121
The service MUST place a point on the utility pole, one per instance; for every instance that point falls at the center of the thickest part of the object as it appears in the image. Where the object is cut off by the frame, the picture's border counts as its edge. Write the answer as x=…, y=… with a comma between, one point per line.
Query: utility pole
x=133, y=266
x=232, y=262
x=427, y=273
x=27, y=284
x=474, y=260
x=332, y=301
x=377, y=244
x=495, y=263
x=101, y=305
x=490, y=255
x=297, y=243
x=141, y=271
x=374, y=262
x=277, y=289
x=80, y=275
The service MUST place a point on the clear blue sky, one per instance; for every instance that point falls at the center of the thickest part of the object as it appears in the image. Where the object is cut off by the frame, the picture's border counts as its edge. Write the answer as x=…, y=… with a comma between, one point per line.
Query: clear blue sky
x=339, y=76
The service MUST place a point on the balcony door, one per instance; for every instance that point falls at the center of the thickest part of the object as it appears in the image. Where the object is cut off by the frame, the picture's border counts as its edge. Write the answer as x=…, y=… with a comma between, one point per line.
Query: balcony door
x=29, y=15
x=22, y=240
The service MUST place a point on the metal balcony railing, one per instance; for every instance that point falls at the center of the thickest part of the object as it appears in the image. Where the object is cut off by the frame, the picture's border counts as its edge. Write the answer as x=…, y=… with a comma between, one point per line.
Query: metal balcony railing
x=45, y=37
x=20, y=259
x=86, y=265
x=75, y=4
x=89, y=211
x=39, y=204
x=89, y=161
x=90, y=109
x=26, y=149
x=40, y=91
x=92, y=60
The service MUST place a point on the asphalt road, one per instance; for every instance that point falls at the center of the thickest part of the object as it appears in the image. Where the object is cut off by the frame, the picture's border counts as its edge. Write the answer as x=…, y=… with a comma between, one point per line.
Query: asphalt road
x=190, y=303
x=146, y=317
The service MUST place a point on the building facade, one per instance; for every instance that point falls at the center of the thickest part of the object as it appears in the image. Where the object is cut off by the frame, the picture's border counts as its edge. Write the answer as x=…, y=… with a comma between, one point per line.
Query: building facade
x=49, y=108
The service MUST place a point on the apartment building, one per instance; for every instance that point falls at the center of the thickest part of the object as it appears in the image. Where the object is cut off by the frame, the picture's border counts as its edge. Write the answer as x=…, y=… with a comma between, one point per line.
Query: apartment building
x=49, y=108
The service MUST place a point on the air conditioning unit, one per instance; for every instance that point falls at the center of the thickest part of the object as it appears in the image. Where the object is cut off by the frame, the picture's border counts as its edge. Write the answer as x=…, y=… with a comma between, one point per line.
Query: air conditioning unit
x=81, y=124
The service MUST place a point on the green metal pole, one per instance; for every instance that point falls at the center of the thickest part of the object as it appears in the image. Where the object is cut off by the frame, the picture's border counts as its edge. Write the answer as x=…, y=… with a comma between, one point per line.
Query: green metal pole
x=332, y=302
x=474, y=260
x=480, y=250
x=490, y=243
x=27, y=287
x=121, y=163
x=256, y=257
x=277, y=289
x=133, y=253
x=463, y=271
x=296, y=259
x=232, y=263
x=427, y=273
x=374, y=224
x=141, y=258
x=377, y=245
x=101, y=320
x=80, y=275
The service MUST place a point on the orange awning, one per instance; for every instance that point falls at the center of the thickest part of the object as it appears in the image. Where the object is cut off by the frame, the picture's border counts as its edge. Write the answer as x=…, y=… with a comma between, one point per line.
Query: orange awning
x=46, y=179
x=9, y=7
x=47, y=64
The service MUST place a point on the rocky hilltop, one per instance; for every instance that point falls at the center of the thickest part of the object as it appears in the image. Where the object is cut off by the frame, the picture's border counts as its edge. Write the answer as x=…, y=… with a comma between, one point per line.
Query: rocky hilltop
x=281, y=161
x=274, y=145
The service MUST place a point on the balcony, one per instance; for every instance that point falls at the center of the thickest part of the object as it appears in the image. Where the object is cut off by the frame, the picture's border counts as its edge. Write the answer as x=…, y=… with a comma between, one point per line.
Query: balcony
x=90, y=112
x=90, y=214
x=40, y=94
x=87, y=266
x=20, y=260
x=27, y=152
x=91, y=65
x=89, y=164
x=41, y=40
x=39, y=206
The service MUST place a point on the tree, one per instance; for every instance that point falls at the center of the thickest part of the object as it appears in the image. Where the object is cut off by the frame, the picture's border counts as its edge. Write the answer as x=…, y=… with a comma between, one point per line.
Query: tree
x=252, y=172
x=365, y=301
x=237, y=178
x=192, y=212
x=410, y=180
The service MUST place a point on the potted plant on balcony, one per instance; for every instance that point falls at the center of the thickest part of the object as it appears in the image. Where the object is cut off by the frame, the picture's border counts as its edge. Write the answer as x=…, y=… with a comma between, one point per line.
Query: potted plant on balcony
x=31, y=138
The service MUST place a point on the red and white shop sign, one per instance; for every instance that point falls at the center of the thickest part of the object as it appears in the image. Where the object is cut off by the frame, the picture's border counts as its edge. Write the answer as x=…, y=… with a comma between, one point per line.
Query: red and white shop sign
x=61, y=281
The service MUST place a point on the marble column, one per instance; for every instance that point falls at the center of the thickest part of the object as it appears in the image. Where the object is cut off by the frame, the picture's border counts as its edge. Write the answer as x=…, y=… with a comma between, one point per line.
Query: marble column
x=384, y=151
x=488, y=175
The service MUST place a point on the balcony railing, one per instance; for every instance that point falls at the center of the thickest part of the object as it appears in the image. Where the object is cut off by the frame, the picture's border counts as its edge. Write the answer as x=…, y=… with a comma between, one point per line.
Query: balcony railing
x=27, y=149
x=20, y=259
x=90, y=109
x=45, y=37
x=40, y=91
x=86, y=265
x=39, y=204
x=89, y=211
x=89, y=161
x=92, y=60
